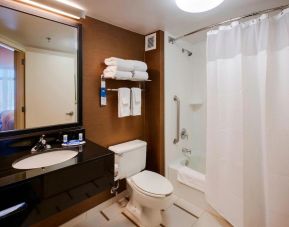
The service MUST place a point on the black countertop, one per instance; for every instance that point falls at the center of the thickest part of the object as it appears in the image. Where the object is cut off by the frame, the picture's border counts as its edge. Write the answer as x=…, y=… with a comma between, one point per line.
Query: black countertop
x=9, y=175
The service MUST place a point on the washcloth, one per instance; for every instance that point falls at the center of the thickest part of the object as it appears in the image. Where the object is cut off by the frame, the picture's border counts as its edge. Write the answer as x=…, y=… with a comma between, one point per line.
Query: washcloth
x=138, y=65
x=123, y=102
x=135, y=101
x=119, y=64
x=139, y=75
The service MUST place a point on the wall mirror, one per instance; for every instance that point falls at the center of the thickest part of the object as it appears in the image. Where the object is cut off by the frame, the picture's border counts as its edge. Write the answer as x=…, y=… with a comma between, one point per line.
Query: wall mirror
x=40, y=73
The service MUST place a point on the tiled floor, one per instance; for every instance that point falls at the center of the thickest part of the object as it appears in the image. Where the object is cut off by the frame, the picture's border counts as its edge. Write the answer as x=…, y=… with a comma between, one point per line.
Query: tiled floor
x=112, y=215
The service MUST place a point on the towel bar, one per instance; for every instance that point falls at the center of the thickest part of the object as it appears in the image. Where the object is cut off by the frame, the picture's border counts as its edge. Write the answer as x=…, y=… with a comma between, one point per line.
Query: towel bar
x=110, y=89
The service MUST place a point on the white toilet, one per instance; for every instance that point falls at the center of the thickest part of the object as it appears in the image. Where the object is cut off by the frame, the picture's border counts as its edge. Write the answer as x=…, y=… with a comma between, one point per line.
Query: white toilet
x=150, y=192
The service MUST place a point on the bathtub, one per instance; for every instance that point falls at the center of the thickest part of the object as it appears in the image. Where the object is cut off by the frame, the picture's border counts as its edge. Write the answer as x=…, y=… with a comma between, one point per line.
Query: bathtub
x=189, y=197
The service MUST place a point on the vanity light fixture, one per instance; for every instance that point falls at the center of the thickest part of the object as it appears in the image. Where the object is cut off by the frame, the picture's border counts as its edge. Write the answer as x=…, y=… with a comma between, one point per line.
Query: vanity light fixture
x=197, y=6
x=62, y=7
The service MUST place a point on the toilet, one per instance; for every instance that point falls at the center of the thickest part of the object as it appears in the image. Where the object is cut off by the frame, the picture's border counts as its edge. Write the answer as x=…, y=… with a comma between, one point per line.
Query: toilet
x=150, y=193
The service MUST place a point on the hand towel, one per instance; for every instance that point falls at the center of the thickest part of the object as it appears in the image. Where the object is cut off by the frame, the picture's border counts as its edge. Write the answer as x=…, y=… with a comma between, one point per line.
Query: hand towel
x=139, y=75
x=138, y=65
x=119, y=64
x=119, y=75
x=123, y=102
x=135, y=101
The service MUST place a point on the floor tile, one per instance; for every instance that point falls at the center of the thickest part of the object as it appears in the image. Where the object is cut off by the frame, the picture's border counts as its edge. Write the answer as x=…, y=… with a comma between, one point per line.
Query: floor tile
x=176, y=217
x=94, y=221
x=209, y=220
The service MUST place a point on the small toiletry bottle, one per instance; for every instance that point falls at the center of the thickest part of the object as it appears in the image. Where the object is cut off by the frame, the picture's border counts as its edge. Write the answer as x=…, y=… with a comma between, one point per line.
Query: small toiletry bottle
x=65, y=139
x=80, y=137
x=103, y=93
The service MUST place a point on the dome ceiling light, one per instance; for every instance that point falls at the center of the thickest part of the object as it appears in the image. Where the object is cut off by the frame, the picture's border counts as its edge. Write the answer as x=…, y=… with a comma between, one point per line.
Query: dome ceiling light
x=197, y=6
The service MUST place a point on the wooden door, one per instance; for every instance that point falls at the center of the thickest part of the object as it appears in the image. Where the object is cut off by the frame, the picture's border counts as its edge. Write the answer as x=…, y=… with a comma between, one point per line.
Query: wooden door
x=19, y=57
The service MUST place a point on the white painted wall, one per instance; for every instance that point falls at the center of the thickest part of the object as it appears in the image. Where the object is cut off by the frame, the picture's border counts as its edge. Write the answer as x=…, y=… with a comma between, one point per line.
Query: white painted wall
x=49, y=88
x=185, y=76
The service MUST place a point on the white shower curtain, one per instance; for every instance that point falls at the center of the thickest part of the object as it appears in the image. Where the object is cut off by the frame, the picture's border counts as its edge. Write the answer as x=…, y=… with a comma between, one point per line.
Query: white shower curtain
x=248, y=121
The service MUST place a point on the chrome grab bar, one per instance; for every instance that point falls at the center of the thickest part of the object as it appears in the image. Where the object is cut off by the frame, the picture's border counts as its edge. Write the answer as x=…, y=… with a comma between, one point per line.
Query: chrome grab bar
x=177, y=100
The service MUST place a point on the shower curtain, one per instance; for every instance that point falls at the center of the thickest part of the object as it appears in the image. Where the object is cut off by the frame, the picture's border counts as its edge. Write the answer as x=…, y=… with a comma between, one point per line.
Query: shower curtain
x=248, y=121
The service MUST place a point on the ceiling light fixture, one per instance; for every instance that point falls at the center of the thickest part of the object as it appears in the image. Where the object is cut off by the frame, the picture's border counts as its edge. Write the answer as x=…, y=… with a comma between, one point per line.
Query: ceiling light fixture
x=61, y=7
x=197, y=6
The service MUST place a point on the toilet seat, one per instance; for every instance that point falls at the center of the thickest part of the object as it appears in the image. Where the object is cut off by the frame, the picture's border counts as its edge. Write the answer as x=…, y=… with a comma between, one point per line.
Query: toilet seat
x=152, y=184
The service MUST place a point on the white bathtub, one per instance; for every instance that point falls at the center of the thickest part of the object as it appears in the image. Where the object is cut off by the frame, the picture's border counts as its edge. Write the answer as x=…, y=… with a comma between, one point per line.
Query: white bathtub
x=190, y=198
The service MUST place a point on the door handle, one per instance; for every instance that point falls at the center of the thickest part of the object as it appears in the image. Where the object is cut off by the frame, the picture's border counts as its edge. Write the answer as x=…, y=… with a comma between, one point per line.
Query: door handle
x=70, y=113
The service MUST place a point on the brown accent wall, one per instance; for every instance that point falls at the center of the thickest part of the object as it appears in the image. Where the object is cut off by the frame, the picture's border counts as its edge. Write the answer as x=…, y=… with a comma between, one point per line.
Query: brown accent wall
x=154, y=130
x=102, y=40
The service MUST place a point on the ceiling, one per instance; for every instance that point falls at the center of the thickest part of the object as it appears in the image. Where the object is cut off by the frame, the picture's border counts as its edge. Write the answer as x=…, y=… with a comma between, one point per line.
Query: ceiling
x=146, y=16
x=31, y=31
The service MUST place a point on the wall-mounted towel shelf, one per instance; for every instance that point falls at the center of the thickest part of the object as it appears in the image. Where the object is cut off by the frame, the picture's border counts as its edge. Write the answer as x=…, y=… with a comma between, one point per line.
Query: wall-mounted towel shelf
x=126, y=80
x=111, y=89
x=103, y=78
x=104, y=89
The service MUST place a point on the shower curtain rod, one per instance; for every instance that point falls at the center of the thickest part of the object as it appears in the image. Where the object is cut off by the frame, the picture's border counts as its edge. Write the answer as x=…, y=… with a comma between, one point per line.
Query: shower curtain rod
x=173, y=40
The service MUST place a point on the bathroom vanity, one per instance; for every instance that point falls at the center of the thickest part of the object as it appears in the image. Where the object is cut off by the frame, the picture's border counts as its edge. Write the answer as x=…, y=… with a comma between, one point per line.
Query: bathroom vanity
x=32, y=195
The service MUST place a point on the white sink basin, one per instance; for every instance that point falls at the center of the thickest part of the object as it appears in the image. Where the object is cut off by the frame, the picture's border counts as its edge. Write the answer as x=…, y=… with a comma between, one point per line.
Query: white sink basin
x=44, y=159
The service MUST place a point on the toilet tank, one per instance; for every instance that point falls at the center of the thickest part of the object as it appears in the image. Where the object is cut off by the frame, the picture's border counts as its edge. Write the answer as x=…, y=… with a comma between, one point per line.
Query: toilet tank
x=130, y=158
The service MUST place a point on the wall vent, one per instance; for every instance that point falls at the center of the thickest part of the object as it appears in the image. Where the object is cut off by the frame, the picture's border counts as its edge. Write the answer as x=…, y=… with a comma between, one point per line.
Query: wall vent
x=151, y=42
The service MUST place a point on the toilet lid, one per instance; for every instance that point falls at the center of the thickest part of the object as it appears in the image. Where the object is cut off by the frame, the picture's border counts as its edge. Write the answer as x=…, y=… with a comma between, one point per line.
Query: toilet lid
x=152, y=183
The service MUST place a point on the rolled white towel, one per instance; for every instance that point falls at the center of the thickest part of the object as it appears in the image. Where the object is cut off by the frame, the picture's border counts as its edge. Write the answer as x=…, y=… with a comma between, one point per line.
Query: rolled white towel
x=119, y=75
x=119, y=64
x=139, y=75
x=139, y=65
x=113, y=61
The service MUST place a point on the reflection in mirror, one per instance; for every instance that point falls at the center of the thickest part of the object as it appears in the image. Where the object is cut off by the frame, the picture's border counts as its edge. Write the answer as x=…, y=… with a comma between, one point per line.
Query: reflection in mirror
x=38, y=72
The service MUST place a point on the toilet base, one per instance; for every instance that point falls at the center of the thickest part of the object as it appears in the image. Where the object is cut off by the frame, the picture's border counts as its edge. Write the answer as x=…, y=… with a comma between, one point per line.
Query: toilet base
x=142, y=216
x=145, y=209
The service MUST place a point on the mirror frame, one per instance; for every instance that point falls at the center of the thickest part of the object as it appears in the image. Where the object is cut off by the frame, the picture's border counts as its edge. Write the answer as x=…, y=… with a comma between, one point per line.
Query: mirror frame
x=61, y=127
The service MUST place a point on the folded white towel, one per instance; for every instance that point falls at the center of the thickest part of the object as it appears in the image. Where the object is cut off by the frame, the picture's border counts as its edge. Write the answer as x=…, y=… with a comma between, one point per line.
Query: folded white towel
x=115, y=68
x=139, y=75
x=119, y=64
x=135, y=101
x=113, y=61
x=119, y=75
x=123, y=102
x=138, y=65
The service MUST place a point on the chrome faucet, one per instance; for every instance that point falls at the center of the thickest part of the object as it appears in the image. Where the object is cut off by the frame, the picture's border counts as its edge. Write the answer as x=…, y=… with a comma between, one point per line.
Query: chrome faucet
x=40, y=145
x=186, y=151
x=184, y=134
